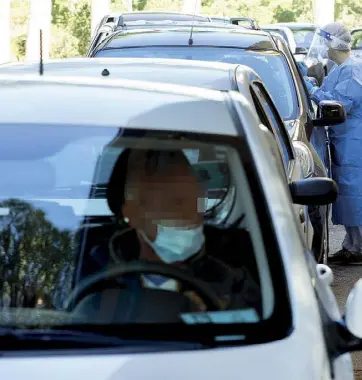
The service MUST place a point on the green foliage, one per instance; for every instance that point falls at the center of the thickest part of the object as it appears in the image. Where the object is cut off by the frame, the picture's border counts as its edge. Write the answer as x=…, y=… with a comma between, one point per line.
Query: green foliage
x=18, y=47
x=80, y=25
x=71, y=18
x=32, y=253
x=284, y=15
x=19, y=27
x=61, y=13
x=63, y=45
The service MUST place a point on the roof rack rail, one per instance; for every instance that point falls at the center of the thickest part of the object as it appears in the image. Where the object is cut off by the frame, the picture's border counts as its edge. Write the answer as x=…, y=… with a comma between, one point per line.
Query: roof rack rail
x=252, y=23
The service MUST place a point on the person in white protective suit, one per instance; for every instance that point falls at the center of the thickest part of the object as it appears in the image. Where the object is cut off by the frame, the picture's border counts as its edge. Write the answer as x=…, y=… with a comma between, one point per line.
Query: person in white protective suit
x=343, y=84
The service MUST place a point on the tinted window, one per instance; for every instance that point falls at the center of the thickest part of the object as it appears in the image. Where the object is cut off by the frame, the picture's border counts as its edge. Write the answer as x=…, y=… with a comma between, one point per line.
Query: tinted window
x=272, y=67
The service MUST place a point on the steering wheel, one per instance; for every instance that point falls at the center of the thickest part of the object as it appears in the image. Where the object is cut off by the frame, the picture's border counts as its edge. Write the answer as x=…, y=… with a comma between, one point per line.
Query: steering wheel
x=86, y=286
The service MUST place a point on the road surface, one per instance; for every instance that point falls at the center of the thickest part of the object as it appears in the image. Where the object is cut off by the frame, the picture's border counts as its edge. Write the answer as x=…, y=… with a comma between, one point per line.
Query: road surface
x=344, y=278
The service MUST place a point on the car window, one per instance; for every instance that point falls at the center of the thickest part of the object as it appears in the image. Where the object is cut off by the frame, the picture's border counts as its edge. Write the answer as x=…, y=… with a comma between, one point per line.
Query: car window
x=93, y=198
x=303, y=37
x=280, y=32
x=278, y=127
x=272, y=67
x=357, y=40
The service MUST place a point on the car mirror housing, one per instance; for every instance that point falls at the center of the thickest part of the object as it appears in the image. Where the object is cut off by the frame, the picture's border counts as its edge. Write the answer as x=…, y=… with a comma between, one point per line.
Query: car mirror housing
x=301, y=50
x=325, y=274
x=314, y=191
x=330, y=113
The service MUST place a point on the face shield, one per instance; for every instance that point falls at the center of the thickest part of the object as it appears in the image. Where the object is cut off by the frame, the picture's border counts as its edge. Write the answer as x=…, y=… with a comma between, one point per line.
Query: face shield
x=322, y=42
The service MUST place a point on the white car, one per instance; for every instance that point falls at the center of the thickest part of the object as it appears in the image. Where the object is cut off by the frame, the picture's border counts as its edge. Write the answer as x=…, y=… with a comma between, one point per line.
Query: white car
x=303, y=37
x=250, y=302
x=285, y=32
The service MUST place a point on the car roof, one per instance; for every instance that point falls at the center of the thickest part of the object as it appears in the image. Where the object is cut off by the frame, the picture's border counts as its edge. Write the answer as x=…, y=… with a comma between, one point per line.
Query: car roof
x=122, y=18
x=276, y=27
x=215, y=75
x=140, y=24
x=177, y=16
x=297, y=25
x=118, y=103
x=202, y=36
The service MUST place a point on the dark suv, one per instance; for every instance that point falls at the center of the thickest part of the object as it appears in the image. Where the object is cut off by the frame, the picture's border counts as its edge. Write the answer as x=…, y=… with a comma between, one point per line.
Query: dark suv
x=134, y=20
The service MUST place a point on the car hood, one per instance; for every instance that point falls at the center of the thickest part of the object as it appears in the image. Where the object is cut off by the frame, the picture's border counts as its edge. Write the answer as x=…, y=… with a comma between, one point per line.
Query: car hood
x=252, y=362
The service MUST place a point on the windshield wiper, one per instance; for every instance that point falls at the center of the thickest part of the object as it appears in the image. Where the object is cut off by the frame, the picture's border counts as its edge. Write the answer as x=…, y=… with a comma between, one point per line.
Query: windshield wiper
x=43, y=338
x=81, y=337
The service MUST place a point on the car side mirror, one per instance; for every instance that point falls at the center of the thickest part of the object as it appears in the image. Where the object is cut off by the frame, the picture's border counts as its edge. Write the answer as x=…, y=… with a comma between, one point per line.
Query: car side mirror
x=301, y=50
x=353, y=310
x=314, y=191
x=330, y=113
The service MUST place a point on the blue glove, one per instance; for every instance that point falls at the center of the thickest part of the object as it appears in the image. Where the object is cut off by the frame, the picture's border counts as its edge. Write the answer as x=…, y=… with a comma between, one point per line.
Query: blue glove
x=303, y=68
x=308, y=84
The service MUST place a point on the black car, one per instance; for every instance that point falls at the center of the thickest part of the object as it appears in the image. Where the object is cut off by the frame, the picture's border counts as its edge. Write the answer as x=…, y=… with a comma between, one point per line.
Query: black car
x=134, y=20
x=241, y=21
x=268, y=55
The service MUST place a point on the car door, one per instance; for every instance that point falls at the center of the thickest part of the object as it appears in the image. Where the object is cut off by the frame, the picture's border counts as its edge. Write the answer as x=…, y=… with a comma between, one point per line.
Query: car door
x=270, y=117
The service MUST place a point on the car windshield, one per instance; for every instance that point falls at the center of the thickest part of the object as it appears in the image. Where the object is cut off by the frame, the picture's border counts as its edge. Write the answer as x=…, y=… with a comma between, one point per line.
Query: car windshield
x=303, y=37
x=272, y=67
x=357, y=40
x=175, y=219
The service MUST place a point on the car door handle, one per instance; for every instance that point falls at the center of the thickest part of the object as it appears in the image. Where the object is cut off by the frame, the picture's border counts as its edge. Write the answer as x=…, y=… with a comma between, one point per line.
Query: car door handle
x=302, y=216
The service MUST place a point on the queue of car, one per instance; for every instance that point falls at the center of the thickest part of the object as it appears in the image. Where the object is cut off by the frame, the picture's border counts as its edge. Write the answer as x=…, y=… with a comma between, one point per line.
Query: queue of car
x=233, y=100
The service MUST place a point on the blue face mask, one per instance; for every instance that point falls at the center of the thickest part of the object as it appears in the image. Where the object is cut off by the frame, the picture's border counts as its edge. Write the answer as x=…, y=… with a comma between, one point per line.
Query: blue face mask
x=174, y=244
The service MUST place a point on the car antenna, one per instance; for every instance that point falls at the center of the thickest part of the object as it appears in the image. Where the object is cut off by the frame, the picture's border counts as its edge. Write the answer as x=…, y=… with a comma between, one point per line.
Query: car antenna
x=191, y=41
x=41, y=65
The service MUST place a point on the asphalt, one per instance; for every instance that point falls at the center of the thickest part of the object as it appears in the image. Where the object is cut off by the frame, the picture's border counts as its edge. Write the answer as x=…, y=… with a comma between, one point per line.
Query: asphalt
x=344, y=279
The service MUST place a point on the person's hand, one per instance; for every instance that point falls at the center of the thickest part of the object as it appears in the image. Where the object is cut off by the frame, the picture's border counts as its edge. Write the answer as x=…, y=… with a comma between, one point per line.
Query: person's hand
x=303, y=68
x=308, y=83
x=317, y=71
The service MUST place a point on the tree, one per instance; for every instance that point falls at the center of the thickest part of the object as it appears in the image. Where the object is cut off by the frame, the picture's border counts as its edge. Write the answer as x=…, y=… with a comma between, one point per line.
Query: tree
x=284, y=15
x=19, y=12
x=80, y=25
x=71, y=19
x=33, y=253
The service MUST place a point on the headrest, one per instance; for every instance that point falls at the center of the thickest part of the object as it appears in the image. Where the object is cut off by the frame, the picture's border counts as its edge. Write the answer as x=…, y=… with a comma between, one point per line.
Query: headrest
x=26, y=176
x=117, y=182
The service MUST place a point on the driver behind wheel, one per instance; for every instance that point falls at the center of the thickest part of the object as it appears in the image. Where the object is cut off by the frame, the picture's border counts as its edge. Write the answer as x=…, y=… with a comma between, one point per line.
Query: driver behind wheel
x=162, y=199
x=165, y=203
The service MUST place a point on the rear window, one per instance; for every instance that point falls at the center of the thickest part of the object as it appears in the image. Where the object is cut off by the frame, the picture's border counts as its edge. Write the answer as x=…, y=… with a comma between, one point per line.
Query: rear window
x=272, y=67
x=303, y=37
